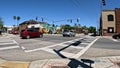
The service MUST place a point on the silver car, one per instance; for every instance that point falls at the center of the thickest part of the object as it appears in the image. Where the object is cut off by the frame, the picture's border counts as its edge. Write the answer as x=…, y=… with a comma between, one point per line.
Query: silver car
x=68, y=33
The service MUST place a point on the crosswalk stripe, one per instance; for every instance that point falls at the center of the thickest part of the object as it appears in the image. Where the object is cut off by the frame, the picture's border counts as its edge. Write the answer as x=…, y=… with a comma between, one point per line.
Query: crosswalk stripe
x=51, y=51
x=10, y=47
x=71, y=41
x=77, y=47
x=6, y=43
x=85, y=49
x=63, y=53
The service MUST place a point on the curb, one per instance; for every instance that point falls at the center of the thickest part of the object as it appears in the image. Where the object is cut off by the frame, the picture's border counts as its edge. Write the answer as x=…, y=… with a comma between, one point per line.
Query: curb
x=15, y=64
x=100, y=62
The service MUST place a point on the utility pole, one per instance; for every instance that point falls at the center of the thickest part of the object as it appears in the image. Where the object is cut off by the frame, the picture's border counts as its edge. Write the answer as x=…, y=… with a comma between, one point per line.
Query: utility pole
x=103, y=3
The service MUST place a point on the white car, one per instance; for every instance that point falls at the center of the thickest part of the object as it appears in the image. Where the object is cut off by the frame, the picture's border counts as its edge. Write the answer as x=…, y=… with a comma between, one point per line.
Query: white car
x=68, y=33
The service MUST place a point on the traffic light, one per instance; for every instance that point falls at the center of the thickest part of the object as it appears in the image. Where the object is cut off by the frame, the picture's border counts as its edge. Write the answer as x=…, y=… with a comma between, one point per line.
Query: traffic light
x=103, y=2
x=71, y=20
x=78, y=19
x=42, y=19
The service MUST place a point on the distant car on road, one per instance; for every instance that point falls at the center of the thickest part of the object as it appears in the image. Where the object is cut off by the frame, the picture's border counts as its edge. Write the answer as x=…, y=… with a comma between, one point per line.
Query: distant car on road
x=28, y=33
x=15, y=32
x=69, y=33
x=116, y=36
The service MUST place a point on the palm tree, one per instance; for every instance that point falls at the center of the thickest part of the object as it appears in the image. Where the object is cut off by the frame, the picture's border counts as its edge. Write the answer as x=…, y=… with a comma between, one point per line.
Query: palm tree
x=18, y=18
x=14, y=17
x=1, y=25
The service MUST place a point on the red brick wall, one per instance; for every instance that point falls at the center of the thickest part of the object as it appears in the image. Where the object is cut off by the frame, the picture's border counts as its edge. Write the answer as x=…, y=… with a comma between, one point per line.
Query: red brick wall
x=117, y=13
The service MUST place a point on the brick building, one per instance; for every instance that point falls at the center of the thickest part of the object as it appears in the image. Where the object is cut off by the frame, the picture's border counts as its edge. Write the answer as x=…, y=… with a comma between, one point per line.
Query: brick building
x=117, y=14
x=110, y=22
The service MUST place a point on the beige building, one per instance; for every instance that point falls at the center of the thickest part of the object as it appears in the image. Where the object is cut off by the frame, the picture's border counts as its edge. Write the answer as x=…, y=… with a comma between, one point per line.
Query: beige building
x=108, y=23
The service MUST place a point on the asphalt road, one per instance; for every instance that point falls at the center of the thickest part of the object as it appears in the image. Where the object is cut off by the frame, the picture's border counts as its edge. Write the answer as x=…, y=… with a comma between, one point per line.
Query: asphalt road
x=49, y=47
x=103, y=47
x=55, y=46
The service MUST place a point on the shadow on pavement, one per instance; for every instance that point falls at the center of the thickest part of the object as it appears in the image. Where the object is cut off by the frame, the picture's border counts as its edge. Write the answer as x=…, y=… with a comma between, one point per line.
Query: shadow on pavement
x=74, y=63
x=73, y=44
x=76, y=43
x=59, y=54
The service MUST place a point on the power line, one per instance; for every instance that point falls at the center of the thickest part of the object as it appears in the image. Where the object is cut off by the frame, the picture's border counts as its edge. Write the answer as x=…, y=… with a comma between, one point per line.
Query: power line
x=78, y=1
x=75, y=3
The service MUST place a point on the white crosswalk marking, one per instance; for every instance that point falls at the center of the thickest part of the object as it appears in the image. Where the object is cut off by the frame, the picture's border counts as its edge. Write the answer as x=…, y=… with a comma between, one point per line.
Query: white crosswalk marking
x=81, y=49
x=68, y=48
x=85, y=49
x=7, y=43
x=10, y=47
x=73, y=46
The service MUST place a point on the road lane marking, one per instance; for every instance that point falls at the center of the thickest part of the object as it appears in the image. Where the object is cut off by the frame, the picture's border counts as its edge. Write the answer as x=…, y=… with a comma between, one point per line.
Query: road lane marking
x=84, y=43
x=1, y=41
x=6, y=44
x=10, y=47
x=64, y=42
x=77, y=47
x=51, y=51
x=52, y=45
x=63, y=53
x=84, y=50
x=33, y=50
x=22, y=47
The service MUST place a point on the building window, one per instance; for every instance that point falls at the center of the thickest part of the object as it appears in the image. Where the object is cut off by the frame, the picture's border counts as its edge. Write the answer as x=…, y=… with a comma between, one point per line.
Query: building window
x=110, y=18
x=110, y=29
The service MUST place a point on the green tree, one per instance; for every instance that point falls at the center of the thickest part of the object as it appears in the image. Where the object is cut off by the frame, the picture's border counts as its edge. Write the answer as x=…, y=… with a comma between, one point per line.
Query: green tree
x=91, y=29
x=84, y=27
x=67, y=27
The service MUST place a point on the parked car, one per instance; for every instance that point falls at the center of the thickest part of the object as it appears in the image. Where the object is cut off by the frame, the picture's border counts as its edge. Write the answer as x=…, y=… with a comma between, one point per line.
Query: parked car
x=116, y=36
x=68, y=33
x=28, y=33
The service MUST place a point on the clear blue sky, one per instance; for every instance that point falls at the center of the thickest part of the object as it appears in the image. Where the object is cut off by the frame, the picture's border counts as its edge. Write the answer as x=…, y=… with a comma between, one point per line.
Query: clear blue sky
x=87, y=10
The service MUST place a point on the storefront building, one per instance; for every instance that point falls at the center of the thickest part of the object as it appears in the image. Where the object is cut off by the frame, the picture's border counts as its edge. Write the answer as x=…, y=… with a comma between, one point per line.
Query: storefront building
x=110, y=22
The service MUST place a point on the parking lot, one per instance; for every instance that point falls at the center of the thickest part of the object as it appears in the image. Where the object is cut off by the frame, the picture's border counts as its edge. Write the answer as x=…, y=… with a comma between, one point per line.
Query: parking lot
x=50, y=46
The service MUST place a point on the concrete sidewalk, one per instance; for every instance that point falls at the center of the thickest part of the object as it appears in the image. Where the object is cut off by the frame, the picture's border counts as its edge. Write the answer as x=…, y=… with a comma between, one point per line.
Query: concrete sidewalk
x=102, y=62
